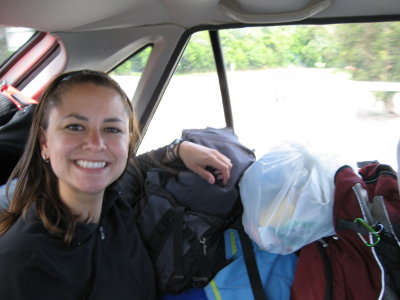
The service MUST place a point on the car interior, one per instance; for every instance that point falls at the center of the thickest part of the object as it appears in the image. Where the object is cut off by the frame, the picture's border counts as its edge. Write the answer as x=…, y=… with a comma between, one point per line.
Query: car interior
x=325, y=73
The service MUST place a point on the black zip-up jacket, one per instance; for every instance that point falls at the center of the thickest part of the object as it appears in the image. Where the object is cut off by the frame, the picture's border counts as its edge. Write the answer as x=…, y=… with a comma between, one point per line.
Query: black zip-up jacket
x=104, y=261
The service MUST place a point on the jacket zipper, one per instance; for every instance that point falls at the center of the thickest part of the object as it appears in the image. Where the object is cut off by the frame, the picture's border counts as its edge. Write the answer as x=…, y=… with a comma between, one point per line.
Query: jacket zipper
x=102, y=235
x=203, y=241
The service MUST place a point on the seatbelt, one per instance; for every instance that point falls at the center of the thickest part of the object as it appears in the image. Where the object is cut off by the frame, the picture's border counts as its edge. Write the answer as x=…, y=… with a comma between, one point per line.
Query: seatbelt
x=20, y=100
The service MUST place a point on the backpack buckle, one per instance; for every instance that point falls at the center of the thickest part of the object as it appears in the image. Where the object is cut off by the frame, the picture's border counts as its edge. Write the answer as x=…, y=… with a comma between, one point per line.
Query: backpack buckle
x=199, y=281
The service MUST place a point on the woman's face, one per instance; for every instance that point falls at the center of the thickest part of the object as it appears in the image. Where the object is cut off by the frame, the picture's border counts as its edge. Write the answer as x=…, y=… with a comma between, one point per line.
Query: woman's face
x=87, y=139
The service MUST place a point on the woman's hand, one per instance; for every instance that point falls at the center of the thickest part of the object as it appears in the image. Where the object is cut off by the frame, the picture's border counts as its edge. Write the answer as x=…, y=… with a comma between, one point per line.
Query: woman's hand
x=202, y=160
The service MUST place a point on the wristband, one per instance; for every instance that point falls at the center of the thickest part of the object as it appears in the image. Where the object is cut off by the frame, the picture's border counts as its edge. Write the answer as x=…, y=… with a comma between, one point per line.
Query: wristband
x=171, y=147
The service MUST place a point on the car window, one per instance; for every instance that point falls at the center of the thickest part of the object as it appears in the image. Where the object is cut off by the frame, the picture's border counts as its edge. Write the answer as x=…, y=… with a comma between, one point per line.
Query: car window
x=192, y=98
x=128, y=73
x=12, y=39
x=334, y=87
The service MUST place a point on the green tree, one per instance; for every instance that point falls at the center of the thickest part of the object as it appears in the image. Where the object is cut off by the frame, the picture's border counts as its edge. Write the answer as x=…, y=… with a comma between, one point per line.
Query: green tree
x=310, y=45
x=367, y=50
x=134, y=64
x=371, y=49
x=198, y=55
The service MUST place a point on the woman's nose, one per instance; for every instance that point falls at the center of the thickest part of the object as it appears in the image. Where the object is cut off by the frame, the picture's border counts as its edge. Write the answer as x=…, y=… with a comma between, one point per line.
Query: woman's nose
x=94, y=141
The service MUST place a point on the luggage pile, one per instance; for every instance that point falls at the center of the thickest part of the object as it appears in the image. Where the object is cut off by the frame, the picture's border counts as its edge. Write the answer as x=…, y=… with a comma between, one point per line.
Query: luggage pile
x=355, y=254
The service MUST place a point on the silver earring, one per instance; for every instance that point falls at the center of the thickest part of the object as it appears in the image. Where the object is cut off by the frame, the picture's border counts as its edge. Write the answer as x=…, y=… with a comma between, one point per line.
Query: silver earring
x=45, y=159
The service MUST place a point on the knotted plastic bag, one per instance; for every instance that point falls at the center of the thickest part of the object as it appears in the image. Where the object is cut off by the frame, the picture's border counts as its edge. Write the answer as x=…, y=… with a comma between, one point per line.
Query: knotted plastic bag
x=287, y=197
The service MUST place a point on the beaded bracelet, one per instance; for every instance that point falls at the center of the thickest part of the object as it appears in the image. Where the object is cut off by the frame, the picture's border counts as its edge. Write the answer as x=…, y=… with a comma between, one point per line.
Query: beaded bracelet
x=171, y=147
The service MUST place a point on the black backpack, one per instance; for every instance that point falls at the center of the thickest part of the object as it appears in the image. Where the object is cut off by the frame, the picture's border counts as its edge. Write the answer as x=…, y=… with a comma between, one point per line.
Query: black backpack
x=182, y=219
x=184, y=231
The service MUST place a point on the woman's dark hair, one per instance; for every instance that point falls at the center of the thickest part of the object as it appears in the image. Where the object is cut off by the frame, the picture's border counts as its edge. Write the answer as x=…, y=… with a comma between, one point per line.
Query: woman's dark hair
x=37, y=182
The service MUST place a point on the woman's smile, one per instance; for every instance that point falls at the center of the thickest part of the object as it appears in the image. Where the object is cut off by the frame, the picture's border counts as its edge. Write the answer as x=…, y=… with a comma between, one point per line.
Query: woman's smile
x=91, y=164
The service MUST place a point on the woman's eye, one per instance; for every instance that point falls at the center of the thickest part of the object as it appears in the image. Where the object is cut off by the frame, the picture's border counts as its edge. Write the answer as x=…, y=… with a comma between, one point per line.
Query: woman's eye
x=74, y=127
x=112, y=130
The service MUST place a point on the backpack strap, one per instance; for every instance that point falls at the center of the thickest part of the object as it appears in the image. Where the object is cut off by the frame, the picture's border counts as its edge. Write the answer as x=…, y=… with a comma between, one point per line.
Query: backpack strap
x=351, y=225
x=379, y=212
x=251, y=265
x=322, y=245
x=381, y=182
x=178, y=243
x=389, y=248
x=160, y=232
x=250, y=260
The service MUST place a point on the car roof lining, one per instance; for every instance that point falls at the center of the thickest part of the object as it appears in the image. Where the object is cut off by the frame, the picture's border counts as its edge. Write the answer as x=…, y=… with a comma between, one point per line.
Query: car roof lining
x=77, y=15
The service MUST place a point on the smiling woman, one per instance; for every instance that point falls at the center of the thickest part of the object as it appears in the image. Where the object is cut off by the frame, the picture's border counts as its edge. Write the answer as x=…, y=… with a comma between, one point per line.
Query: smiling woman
x=79, y=145
x=68, y=203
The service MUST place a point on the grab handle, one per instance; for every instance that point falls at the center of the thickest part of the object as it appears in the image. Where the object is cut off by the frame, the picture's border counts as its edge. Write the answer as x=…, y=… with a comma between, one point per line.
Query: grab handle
x=232, y=8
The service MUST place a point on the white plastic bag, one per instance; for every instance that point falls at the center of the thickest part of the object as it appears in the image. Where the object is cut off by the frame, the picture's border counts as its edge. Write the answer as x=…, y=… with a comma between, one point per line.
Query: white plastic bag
x=287, y=196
